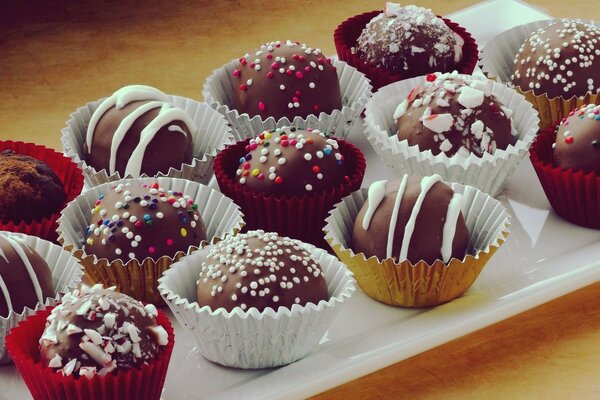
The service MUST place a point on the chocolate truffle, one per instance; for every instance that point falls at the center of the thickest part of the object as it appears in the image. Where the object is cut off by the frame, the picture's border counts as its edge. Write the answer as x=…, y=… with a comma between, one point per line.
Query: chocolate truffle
x=412, y=219
x=30, y=189
x=285, y=79
x=561, y=59
x=410, y=41
x=130, y=130
x=292, y=162
x=25, y=278
x=139, y=221
x=260, y=270
x=454, y=115
x=99, y=331
x=578, y=140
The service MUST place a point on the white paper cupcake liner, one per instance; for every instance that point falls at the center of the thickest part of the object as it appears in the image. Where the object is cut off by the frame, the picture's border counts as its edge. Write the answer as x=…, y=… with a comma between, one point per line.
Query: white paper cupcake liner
x=355, y=89
x=67, y=273
x=212, y=135
x=487, y=173
x=253, y=339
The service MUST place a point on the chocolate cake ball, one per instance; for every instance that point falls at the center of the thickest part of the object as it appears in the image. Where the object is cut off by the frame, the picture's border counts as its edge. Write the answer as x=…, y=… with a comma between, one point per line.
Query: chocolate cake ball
x=285, y=79
x=25, y=278
x=288, y=161
x=29, y=188
x=411, y=41
x=260, y=270
x=99, y=331
x=578, y=140
x=130, y=130
x=412, y=219
x=562, y=59
x=139, y=221
x=454, y=115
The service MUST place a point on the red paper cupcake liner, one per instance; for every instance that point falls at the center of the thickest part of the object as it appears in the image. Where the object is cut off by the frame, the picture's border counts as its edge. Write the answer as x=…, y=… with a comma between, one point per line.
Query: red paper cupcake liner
x=300, y=217
x=69, y=174
x=575, y=196
x=145, y=383
x=346, y=36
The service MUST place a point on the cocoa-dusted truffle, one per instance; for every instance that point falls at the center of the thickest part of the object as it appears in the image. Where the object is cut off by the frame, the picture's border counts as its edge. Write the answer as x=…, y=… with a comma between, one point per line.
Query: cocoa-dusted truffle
x=99, y=331
x=285, y=79
x=260, y=270
x=412, y=219
x=410, y=41
x=29, y=188
x=561, y=59
x=578, y=140
x=130, y=130
x=454, y=114
x=139, y=221
x=289, y=161
x=25, y=278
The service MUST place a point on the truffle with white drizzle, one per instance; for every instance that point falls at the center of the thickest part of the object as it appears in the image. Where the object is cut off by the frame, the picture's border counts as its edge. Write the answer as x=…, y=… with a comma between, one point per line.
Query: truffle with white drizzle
x=97, y=331
x=561, y=59
x=578, y=140
x=130, y=130
x=412, y=219
x=455, y=115
x=259, y=269
x=25, y=278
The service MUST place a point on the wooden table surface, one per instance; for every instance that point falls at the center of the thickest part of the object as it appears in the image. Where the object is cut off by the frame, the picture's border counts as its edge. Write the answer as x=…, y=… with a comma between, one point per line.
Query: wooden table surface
x=56, y=56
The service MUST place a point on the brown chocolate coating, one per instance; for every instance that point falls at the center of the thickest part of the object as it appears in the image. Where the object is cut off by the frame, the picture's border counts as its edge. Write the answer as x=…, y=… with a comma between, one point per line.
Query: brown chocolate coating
x=260, y=270
x=135, y=222
x=25, y=275
x=411, y=41
x=578, y=140
x=285, y=79
x=562, y=59
x=29, y=188
x=99, y=331
x=455, y=116
x=291, y=162
x=427, y=237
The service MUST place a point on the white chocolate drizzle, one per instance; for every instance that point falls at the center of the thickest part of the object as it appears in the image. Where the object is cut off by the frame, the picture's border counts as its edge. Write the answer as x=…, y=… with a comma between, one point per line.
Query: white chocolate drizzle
x=449, y=231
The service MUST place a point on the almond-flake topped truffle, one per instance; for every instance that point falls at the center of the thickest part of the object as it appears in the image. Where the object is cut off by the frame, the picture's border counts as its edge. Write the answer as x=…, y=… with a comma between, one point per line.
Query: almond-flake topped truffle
x=99, y=331
x=410, y=41
x=562, y=59
x=454, y=114
x=260, y=270
x=578, y=140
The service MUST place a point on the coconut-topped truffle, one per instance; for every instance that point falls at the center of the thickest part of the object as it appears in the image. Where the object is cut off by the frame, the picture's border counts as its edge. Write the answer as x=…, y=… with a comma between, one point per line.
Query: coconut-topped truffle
x=561, y=59
x=130, y=130
x=290, y=161
x=260, y=270
x=410, y=41
x=454, y=114
x=100, y=331
x=578, y=140
x=285, y=79
x=135, y=221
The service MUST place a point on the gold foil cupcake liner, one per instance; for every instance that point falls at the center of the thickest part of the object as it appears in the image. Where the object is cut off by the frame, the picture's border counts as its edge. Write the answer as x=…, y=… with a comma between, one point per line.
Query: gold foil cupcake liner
x=138, y=278
x=406, y=284
x=212, y=135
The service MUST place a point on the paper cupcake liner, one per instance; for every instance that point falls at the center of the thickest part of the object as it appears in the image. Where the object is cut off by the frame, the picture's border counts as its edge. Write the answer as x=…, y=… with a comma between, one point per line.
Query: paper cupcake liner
x=68, y=173
x=253, y=339
x=575, y=196
x=145, y=383
x=66, y=276
x=487, y=173
x=212, y=136
x=346, y=36
x=300, y=217
x=138, y=278
x=418, y=285
x=497, y=60
x=355, y=90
